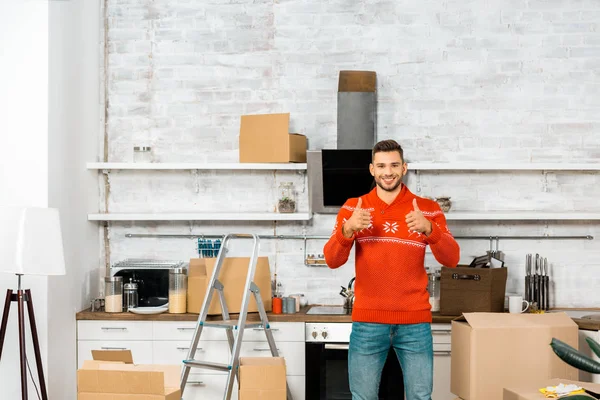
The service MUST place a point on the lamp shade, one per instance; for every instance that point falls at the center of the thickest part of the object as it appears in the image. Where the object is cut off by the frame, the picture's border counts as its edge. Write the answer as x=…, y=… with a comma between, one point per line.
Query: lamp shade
x=31, y=241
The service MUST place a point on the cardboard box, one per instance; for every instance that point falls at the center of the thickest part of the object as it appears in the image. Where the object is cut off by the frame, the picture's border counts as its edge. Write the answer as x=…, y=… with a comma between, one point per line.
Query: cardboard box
x=233, y=277
x=491, y=351
x=532, y=391
x=262, y=378
x=111, y=375
x=357, y=81
x=464, y=289
x=266, y=139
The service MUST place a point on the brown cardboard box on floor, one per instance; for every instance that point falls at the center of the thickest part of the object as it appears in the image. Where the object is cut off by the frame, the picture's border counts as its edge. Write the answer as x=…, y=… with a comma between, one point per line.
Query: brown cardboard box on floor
x=262, y=378
x=265, y=138
x=233, y=277
x=532, y=391
x=491, y=351
x=112, y=375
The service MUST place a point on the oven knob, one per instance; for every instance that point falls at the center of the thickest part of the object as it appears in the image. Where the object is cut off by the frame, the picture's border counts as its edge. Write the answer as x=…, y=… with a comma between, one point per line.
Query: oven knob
x=314, y=334
x=324, y=334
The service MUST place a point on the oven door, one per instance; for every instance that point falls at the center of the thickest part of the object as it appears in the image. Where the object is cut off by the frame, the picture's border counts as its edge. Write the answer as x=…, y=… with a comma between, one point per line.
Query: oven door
x=327, y=374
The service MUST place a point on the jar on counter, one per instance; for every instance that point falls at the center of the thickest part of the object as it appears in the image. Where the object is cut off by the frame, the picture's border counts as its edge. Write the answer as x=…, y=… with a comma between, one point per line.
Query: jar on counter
x=433, y=287
x=113, y=294
x=177, y=291
x=130, y=291
x=142, y=154
x=287, y=198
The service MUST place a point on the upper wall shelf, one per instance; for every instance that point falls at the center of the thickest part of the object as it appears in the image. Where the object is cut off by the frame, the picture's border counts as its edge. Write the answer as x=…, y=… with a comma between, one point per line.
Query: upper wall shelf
x=451, y=216
x=490, y=166
x=421, y=166
x=521, y=216
x=202, y=166
x=199, y=216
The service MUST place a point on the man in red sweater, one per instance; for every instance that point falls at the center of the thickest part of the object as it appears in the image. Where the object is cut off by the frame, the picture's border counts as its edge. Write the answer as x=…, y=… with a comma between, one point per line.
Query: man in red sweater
x=391, y=228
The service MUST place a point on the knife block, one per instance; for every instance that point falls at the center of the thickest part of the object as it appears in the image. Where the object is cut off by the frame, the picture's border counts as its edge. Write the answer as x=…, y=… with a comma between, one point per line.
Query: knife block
x=464, y=289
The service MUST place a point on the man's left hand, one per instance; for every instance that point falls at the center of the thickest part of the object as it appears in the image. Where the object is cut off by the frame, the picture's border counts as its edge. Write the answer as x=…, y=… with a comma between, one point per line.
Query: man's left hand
x=417, y=222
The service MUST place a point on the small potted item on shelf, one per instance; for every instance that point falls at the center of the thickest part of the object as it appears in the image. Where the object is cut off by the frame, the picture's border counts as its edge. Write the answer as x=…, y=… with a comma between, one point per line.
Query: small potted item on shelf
x=445, y=203
x=287, y=202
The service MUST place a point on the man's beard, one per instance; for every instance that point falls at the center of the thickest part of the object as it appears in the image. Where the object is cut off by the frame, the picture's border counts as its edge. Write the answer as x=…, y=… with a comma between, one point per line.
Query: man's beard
x=389, y=189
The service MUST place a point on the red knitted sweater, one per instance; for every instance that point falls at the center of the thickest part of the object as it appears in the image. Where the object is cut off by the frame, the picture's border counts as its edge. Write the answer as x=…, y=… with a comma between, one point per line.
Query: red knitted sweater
x=391, y=281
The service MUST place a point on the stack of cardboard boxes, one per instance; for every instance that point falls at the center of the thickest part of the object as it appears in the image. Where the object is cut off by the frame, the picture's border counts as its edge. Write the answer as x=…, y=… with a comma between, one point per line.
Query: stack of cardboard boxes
x=502, y=356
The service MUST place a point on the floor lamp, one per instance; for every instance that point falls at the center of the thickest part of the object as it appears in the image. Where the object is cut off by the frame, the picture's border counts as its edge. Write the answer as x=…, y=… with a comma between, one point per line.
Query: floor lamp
x=30, y=244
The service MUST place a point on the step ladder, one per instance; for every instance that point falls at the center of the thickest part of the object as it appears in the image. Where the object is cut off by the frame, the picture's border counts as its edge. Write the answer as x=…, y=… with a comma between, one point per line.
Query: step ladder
x=233, y=328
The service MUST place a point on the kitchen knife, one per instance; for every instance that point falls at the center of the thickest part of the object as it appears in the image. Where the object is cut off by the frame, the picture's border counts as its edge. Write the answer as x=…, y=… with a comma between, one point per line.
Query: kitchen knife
x=531, y=280
x=527, y=273
x=542, y=304
x=547, y=284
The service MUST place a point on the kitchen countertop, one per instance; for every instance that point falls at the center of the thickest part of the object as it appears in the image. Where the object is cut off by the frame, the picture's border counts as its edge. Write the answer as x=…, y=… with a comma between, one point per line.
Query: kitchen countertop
x=301, y=316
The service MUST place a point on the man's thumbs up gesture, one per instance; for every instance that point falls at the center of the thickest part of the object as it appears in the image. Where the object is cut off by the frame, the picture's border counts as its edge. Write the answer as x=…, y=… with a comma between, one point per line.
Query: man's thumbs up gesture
x=359, y=220
x=416, y=221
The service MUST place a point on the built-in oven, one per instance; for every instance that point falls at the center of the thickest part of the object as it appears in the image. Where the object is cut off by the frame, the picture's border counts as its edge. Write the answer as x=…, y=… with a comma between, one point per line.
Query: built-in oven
x=327, y=365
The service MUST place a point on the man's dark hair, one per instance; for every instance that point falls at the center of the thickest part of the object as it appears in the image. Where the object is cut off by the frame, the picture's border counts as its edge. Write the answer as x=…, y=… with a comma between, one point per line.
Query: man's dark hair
x=386, y=146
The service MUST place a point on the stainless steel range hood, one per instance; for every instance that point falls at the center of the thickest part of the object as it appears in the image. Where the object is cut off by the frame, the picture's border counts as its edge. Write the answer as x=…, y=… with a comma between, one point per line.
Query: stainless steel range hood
x=335, y=175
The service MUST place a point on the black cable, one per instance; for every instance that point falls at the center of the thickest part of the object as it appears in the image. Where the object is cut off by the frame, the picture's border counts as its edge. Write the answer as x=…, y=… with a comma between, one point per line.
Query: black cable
x=33, y=380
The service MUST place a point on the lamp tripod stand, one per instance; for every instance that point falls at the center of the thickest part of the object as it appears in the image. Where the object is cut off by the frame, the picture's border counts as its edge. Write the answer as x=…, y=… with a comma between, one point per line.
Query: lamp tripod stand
x=21, y=297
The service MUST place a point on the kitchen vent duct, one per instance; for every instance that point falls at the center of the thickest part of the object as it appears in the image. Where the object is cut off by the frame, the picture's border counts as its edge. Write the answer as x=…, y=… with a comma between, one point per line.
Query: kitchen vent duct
x=356, y=110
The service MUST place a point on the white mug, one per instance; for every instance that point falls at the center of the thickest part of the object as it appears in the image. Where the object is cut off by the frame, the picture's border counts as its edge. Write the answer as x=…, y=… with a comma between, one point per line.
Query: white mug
x=515, y=304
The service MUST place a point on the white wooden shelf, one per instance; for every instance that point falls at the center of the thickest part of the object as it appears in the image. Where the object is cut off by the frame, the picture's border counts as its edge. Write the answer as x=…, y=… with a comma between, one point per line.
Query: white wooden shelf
x=199, y=217
x=520, y=216
x=200, y=166
x=421, y=166
x=450, y=216
x=490, y=166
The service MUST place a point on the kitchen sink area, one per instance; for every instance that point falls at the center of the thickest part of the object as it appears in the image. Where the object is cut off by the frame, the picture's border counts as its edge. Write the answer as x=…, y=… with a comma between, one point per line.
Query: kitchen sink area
x=328, y=310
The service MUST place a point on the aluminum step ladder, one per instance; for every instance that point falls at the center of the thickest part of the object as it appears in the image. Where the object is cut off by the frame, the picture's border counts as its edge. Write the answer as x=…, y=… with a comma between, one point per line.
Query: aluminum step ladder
x=233, y=328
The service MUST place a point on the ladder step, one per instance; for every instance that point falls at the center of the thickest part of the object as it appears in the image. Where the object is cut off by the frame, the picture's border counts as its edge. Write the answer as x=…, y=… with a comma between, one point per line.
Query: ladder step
x=230, y=324
x=207, y=365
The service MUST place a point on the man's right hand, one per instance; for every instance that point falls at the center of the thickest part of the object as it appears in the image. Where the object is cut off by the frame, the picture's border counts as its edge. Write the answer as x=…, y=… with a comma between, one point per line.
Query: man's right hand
x=359, y=220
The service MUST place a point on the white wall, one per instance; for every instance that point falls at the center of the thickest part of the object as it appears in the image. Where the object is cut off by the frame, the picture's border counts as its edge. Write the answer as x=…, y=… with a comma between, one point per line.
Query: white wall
x=24, y=158
x=74, y=63
x=49, y=75
x=502, y=81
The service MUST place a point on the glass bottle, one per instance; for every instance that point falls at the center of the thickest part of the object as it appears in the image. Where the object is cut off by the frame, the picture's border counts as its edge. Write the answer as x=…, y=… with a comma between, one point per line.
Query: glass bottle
x=177, y=291
x=287, y=199
x=433, y=287
x=113, y=294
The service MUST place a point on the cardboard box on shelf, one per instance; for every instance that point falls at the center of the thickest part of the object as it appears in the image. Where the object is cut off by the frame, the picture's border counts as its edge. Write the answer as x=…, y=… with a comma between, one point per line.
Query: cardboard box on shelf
x=464, y=289
x=531, y=391
x=233, y=277
x=112, y=375
x=265, y=138
x=262, y=378
x=491, y=351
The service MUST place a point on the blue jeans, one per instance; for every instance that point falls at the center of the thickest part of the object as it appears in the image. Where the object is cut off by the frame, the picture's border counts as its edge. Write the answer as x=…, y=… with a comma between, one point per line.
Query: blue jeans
x=369, y=347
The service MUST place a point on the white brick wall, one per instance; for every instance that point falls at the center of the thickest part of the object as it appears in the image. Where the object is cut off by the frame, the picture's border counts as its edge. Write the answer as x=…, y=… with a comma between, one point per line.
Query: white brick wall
x=502, y=81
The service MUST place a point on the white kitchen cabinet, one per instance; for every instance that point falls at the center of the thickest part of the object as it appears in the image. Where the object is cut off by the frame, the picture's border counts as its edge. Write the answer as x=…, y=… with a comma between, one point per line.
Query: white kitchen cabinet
x=442, y=337
x=167, y=342
x=174, y=352
x=114, y=330
x=585, y=349
x=141, y=350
